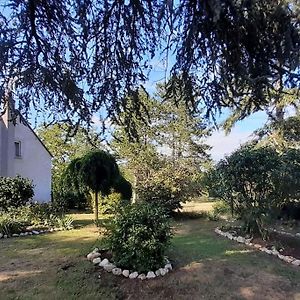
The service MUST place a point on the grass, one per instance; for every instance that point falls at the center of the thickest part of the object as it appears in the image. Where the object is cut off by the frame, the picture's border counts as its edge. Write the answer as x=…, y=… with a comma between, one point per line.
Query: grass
x=207, y=266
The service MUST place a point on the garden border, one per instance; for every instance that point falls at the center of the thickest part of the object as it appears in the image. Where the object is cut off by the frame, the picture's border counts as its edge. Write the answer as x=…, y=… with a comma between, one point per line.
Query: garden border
x=95, y=258
x=289, y=259
x=31, y=233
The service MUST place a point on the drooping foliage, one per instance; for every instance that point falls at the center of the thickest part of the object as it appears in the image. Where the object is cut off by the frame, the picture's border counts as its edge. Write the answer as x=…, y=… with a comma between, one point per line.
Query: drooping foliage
x=97, y=171
x=73, y=58
x=64, y=149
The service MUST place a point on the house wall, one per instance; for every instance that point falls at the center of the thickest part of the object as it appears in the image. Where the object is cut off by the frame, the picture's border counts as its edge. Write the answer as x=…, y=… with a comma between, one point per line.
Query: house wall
x=35, y=161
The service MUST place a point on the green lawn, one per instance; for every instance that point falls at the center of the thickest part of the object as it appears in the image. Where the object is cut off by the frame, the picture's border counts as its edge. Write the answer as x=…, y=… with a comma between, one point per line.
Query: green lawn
x=207, y=266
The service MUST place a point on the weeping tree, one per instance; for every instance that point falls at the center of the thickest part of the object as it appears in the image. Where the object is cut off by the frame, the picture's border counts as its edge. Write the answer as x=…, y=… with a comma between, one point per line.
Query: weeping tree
x=96, y=171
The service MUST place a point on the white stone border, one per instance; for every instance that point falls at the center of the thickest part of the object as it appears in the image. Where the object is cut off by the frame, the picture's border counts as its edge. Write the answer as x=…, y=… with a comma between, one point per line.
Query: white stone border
x=31, y=232
x=95, y=258
x=240, y=239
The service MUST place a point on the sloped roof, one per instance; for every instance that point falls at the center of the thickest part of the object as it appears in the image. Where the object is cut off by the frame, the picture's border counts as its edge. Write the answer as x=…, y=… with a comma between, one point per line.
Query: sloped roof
x=24, y=121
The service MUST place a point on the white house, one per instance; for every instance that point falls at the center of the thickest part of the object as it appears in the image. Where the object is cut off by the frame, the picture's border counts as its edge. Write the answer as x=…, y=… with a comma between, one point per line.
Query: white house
x=23, y=153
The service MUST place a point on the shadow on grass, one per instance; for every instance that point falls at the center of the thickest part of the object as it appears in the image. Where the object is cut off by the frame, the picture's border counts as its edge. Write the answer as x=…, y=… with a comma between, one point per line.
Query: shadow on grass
x=206, y=266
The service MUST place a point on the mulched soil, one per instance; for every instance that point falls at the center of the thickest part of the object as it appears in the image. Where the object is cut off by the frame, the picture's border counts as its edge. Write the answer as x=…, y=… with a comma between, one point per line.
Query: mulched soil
x=286, y=245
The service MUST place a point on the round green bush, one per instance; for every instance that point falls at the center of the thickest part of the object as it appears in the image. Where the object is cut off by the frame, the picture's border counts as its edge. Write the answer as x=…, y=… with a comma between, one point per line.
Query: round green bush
x=139, y=237
x=15, y=192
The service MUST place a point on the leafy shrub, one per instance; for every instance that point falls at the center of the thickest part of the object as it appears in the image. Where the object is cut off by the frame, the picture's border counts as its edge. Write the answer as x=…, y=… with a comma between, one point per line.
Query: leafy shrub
x=221, y=208
x=169, y=186
x=256, y=181
x=45, y=214
x=139, y=236
x=70, y=200
x=112, y=203
x=15, y=192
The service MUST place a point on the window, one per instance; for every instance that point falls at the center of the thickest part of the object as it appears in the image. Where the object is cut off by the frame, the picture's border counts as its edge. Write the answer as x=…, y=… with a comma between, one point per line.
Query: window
x=18, y=149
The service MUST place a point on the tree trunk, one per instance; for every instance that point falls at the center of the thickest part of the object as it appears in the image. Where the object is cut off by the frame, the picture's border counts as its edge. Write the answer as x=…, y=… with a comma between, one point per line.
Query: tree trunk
x=96, y=207
x=134, y=192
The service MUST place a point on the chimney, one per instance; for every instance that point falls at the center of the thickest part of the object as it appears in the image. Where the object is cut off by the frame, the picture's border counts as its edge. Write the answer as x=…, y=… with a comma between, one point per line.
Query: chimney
x=7, y=133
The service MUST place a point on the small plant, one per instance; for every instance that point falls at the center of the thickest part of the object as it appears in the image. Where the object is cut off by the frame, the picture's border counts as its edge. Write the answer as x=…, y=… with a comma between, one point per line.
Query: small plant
x=65, y=222
x=10, y=225
x=139, y=236
x=112, y=203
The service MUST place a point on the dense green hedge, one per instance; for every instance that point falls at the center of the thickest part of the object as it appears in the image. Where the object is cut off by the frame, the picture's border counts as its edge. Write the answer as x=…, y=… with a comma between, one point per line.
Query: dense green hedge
x=139, y=237
x=15, y=192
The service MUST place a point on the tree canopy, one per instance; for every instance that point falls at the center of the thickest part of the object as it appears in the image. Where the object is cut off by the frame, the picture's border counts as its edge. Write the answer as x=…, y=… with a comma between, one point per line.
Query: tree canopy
x=96, y=171
x=73, y=58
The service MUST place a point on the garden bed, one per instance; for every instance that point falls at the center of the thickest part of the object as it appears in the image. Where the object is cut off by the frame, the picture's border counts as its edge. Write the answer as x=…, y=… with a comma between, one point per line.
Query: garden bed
x=103, y=259
x=34, y=231
x=284, y=247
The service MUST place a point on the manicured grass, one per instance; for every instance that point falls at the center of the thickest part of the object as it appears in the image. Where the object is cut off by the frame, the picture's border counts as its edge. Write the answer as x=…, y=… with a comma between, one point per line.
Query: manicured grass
x=207, y=266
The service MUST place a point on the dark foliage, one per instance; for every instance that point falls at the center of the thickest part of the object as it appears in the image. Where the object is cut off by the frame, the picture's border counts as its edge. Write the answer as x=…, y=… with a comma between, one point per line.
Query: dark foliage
x=15, y=192
x=96, y=172
x=76, y=57
x=123, y=187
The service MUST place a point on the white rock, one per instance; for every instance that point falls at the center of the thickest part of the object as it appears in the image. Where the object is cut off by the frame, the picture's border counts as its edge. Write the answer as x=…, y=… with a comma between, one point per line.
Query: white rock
x=96, y=260
x=35, y=232
x=142, y=276
x=257, y=246
x=116, y=271
x=296, y=262
x=15, y=235
x=104, y=262
x=5, y=236
x=26, y=233
x=22, y=234
x=275, y=252
x=93, y=255
x=109, y=267
x=288, y=259
x=268, y=251
x=240, y=239
x=163, y=271
x=264, y=249
x=133, y=275
x=298, y=234
x=280, y=256
x=150, y=275
x=125, y=273
x=1, y=235
x=96, y=250
x=168, y=266
x=157, y=272
x=30, y=233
